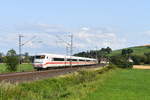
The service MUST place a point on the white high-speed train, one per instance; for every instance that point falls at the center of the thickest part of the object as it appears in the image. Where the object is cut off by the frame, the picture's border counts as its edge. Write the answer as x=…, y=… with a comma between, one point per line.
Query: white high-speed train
x=45, y=60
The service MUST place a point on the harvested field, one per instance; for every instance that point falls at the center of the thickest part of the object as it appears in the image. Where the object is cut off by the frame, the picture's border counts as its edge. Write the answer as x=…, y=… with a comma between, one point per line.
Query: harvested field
x=141, y=66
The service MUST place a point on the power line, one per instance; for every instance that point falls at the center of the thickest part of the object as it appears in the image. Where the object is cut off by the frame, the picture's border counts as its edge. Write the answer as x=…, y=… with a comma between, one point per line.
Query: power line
x=68, y=45
x=22, y=44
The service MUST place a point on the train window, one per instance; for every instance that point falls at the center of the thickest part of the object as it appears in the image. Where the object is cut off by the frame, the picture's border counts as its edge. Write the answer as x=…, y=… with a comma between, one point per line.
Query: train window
x=40, y=57
x=74, y=59
x=71, y=59
x=81, y=60
x=88, y=60
x=68, y=59
x=58, y=59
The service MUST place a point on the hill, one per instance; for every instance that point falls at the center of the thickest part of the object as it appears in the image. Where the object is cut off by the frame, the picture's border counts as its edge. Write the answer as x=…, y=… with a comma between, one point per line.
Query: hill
x=138, y=50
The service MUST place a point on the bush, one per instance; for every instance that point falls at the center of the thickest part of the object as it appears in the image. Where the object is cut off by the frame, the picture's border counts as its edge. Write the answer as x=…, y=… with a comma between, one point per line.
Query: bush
x=11, y=60
x=121, y=61
x=147, y=58
x=137, y=60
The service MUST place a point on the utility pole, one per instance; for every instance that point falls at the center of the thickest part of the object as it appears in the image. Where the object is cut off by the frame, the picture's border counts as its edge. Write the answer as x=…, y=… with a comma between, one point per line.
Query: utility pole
x=96, y=53
x=68, y=44
x=20, y=45
x=71, y=49
x=66, y=55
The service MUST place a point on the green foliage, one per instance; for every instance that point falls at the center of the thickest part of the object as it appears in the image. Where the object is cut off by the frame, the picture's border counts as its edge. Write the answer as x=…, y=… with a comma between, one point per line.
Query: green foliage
x=127, y=52
x=99, y=54
x=121, y=61
x=92, y=53
x=11, y=60
x=138, y=59
x=1, y=57
x=26, y=58
x=11, y=52
x=148, y=58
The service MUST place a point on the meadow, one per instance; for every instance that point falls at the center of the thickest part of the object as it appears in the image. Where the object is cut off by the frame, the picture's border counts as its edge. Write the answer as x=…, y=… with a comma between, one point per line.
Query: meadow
x=124, y=85
x=107, y=83
x=138, y=50
x=20, y=68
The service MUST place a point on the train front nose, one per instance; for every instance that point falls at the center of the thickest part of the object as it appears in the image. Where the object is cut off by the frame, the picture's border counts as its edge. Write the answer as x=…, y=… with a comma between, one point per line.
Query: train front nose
x=38, y=65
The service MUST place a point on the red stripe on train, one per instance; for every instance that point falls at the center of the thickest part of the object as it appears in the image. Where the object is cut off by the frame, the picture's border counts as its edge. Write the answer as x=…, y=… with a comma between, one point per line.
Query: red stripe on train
x=68, y=63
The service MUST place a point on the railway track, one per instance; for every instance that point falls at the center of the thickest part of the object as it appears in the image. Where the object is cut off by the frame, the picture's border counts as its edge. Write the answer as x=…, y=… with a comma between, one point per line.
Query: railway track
x=36, y=75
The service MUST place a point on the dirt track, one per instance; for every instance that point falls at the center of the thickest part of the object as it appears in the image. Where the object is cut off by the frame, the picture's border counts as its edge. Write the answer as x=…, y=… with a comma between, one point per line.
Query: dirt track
x=141, y=66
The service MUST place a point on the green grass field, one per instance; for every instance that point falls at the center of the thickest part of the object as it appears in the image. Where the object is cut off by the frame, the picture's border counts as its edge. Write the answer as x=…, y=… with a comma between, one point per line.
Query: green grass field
x=117, y=84
x=21, y=68
x=139, y=50
x=124, y=85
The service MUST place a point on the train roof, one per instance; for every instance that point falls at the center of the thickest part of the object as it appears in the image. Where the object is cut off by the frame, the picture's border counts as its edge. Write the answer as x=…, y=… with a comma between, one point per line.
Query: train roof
x=64, y=56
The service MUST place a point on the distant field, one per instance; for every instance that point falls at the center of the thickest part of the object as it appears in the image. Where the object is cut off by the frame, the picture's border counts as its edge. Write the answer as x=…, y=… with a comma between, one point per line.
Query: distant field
x=124, y=85
x=139, y=50
x=21, y=68
x=141, y=66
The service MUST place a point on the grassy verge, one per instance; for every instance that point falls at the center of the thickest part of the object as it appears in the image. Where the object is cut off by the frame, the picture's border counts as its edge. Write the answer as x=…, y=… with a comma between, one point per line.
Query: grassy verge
x=72, y=87
x=124, y=85
x=21, y=68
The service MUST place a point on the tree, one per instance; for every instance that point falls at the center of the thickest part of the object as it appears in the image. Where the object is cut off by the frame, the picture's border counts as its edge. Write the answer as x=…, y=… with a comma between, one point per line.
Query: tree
x=11, y=52
x=1, y=57
x=108, y=50
x=26, y=58
x=99, y=54
x=127, y=52
x=147, y=58
x=121, y=61
x=11, y=60
x=124, y=52
x=138, y=59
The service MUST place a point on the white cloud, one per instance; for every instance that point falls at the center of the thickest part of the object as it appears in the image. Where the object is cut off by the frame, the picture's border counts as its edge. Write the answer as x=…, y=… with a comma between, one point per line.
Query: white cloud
x=85, y=38
x=98, y=38
x=85, y=28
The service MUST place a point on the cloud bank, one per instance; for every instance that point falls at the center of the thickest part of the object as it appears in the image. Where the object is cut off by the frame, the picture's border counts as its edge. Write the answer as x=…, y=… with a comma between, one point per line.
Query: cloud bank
x=53, y=38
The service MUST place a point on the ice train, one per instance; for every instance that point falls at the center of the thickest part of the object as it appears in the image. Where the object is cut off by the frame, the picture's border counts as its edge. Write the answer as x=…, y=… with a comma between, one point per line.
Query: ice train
x=46, y=60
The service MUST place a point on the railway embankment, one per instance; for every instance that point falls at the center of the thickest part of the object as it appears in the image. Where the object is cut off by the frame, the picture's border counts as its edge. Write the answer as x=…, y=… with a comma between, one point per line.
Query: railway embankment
x=73, y=86
x=43, y=74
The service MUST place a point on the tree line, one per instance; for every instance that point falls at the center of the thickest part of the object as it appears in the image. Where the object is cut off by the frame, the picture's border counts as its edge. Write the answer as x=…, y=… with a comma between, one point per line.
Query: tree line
x=97, y=54
x=127, y=59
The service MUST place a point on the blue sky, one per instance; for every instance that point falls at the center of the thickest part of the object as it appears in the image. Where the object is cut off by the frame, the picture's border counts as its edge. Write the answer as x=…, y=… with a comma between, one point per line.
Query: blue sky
x=94, y=23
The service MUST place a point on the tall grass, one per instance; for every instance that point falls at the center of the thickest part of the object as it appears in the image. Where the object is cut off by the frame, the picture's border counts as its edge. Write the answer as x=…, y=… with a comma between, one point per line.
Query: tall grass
x=71, y=87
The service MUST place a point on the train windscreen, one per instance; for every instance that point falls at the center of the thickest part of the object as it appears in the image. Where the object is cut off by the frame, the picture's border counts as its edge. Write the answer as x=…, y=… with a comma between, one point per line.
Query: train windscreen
x=40, y=57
